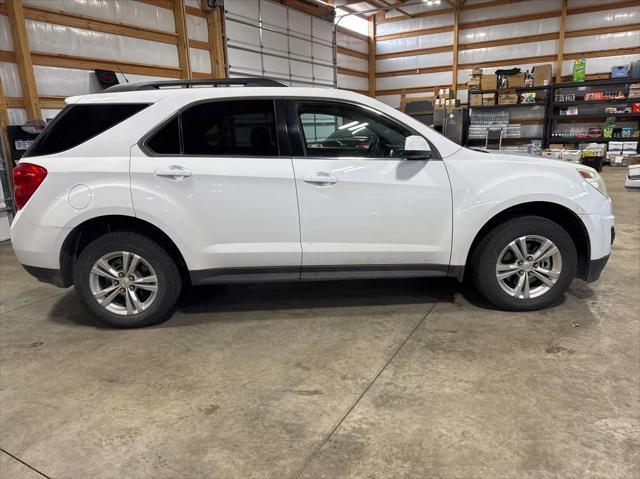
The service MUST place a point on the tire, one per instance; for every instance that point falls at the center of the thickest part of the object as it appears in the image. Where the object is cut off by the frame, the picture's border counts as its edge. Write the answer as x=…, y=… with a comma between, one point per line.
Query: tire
x=546, y=279
x=139, y=305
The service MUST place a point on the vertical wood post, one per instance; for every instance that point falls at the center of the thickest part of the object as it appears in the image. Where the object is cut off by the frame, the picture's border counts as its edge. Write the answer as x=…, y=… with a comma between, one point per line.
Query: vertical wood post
x=372, y=55
x=216, y=43
x=180, y=17
x=23, y=59
x=456, y=35
x=4, y=134
x=563, y=21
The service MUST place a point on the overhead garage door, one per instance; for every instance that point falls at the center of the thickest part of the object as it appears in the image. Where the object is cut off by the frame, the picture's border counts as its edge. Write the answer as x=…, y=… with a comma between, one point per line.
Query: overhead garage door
x=269, y=39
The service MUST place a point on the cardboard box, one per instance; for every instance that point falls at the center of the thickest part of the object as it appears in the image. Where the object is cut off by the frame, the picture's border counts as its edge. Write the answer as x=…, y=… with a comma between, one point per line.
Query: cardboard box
x=488, y=98
x=507, y=97
x=474, y=83
x=489, y=82
x=541, y=75
x=634, y=159
x=476, y=71
x=476, y=99
x=515, y=81
x=445, y=93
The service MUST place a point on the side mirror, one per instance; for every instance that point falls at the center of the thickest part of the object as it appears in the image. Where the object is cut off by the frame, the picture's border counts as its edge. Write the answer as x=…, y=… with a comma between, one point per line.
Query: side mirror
x=416, y=148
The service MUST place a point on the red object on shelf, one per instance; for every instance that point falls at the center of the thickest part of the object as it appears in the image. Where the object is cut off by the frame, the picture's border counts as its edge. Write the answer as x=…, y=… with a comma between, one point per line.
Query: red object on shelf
x=635, y=108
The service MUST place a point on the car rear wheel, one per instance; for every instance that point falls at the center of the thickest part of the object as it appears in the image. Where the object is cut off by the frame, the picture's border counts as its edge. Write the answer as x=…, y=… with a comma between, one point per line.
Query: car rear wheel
x=524, y=264
x=127, y=281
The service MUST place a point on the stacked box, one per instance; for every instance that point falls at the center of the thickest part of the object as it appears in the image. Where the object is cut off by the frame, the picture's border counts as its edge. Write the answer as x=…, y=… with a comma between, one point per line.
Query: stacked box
x=475, y=80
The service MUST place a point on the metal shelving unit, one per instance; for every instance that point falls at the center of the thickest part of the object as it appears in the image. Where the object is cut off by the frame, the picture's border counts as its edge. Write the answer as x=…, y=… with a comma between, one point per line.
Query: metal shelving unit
x=537, y=107
x=590, y=111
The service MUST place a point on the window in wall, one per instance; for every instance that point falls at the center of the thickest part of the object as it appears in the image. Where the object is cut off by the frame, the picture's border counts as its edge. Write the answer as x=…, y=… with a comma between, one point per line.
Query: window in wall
x=220, y=128
x=334, y=129
x=79, y=123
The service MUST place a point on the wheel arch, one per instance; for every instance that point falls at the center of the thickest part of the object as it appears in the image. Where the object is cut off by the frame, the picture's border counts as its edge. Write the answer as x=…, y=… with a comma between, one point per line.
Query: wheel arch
x=87, y=231
x=555, y=212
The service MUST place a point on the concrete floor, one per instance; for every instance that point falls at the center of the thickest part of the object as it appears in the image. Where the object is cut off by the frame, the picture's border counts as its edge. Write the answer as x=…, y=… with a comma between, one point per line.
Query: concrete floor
x=364, y=379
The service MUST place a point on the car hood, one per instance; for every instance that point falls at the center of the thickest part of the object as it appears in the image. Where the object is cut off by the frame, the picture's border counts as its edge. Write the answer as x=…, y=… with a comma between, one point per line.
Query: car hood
x=525, y=159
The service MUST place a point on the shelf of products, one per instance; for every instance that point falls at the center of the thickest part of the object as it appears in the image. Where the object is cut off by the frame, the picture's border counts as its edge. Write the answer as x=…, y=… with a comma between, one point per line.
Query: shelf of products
x=596, y=111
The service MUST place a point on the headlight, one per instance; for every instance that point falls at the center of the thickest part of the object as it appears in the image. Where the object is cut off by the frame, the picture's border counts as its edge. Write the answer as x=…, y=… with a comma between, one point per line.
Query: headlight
x=592, y=177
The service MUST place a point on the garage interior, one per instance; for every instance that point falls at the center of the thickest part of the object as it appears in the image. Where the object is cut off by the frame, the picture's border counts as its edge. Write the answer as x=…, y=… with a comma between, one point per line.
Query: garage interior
x=380, y=378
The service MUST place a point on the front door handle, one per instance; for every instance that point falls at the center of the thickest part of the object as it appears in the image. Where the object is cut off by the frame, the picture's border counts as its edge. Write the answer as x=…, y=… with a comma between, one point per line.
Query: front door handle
x=174, y=172
x=321, y=179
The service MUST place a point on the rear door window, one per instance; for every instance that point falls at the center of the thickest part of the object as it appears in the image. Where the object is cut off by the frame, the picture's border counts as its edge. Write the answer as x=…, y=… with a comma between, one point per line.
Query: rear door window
x=219, y=128
x=79, y=123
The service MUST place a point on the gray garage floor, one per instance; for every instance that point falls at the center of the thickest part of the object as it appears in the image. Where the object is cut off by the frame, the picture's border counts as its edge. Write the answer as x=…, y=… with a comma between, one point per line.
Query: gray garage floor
x=368, y=379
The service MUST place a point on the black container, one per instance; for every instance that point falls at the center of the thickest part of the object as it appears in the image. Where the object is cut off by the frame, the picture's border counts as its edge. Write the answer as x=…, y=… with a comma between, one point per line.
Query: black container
x=594, y=162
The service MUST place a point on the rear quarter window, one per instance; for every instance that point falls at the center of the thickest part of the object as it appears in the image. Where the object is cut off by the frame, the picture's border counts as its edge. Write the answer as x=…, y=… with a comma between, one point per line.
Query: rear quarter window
x=79, y=123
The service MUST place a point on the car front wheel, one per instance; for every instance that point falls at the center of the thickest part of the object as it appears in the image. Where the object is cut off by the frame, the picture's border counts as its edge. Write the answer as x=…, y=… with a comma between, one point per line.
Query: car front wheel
x=126, y=280
x=524, y=264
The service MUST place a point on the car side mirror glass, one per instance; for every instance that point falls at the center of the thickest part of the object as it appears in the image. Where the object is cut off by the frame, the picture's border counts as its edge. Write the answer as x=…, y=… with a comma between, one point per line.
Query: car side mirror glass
x=416, y=148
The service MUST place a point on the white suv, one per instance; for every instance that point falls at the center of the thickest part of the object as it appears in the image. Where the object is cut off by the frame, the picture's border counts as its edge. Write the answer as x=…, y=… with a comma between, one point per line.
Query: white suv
x=132, y=193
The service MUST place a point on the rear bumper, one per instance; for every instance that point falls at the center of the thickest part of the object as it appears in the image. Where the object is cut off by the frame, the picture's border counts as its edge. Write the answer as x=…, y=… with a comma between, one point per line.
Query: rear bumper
x=46, y=275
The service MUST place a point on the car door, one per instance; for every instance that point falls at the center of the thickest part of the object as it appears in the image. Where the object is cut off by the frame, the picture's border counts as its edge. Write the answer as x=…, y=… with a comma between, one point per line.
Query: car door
x=212, y=177
x=365, y=210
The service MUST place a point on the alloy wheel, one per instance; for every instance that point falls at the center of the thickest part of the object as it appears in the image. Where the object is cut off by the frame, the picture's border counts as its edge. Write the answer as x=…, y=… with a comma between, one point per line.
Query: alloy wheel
x=124, y=283
x=528, y=267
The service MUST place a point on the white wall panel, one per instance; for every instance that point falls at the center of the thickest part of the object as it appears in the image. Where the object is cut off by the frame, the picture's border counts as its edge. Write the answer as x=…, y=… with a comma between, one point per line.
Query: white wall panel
x=588, y=3
x=602, y=42
x=17, y=116
x=54, y=81
x=501, y=11
x=347, y=61
x=510, y=30
x=351, y=42
x=10, y=79
x=600, y=65
x=608, y=18
x=200, y=60
x=353, y=83
x=192, y=3
x=506, y=52
x=197, y=28
x=124, y=11
x=6, y=42
x=49, y=113
x=391, y=100
x=411, y=81
x=415, y=61
x=412, y=43
x=49, y=38
x=415, y=24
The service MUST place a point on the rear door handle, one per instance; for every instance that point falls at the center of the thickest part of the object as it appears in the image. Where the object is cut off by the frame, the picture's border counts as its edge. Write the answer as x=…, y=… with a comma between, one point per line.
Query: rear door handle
x=321, y=179
x=174, y=172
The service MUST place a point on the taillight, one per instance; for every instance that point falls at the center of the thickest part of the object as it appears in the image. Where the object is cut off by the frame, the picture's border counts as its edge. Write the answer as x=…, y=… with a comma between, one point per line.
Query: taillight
x=26, y=179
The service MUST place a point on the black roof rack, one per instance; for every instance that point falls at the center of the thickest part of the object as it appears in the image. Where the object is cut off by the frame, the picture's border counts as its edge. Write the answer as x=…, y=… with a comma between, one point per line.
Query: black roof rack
x=157, y=85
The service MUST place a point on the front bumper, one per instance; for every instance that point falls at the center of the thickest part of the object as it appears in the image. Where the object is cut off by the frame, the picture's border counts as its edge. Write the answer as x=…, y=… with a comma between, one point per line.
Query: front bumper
x=595, y=269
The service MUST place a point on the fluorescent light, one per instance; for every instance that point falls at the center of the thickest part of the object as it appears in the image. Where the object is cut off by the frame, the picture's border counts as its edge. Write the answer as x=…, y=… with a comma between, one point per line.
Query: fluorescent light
x=358, y=127
x=347, y=125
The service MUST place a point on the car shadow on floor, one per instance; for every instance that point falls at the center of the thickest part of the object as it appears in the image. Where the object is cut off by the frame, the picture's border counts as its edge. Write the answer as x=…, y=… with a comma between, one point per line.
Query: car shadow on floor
x=196, y=302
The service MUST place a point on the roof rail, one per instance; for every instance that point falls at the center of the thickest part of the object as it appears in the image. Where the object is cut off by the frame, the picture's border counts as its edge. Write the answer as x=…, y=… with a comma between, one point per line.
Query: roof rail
x=157, y=85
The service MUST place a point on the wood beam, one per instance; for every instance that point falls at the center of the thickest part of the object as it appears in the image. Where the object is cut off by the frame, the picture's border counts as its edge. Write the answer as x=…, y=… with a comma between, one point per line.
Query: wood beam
x=89, y=63
x=351, y=33
x=456, y=38
x=372, y=55
x=23, y=58
x=563, y=23
x=352, y=72
x=418, y=51
x=4, y=137
x=168, y=4
x=216, y=42
x=352, y=53
x=180, y=17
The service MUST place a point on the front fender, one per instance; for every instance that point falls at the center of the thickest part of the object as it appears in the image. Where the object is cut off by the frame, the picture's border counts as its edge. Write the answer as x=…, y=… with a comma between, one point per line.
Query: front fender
x=482, y=189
